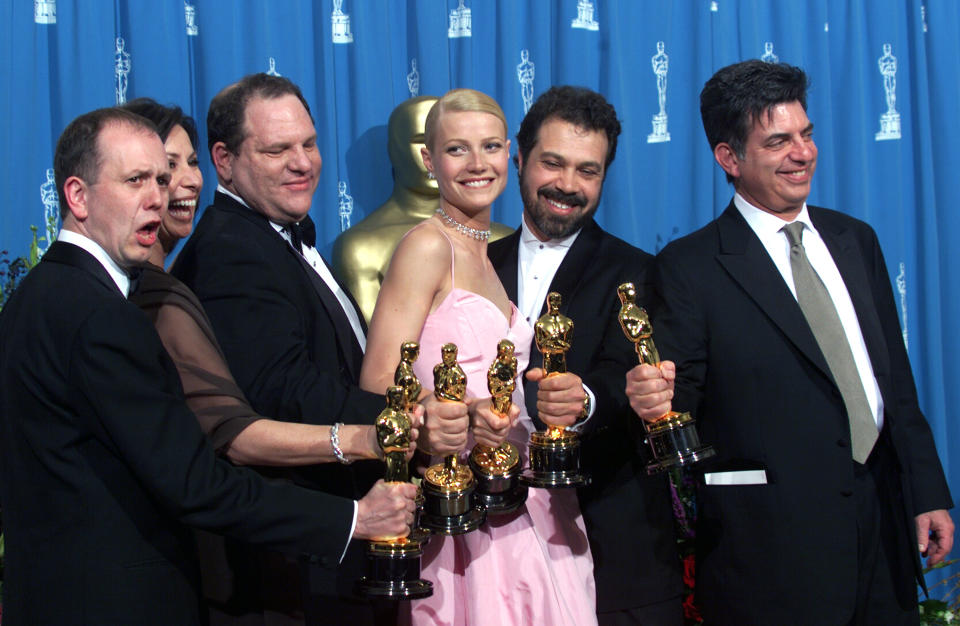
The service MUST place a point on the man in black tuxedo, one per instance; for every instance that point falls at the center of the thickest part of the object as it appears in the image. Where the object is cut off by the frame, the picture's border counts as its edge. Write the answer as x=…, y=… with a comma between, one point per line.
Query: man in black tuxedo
x=292, y=335
x=566, y=144
x=781, y=320
x=103, y=464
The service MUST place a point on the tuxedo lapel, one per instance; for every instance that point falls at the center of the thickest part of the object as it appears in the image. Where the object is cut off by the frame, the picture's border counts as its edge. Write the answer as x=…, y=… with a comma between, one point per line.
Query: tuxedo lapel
x=69, y=254
x=505, y=256
x=746, y=261
x=350, y=351
x=569, y=279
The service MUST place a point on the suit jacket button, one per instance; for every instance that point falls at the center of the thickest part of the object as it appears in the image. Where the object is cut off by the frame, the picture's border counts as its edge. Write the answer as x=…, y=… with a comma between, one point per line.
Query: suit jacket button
x=846, y=493
x=843, y=443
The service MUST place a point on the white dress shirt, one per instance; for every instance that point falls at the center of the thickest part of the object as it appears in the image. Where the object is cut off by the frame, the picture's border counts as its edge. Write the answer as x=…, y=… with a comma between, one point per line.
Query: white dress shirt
x=768, y=228
x=537, y=263
x=117, y=273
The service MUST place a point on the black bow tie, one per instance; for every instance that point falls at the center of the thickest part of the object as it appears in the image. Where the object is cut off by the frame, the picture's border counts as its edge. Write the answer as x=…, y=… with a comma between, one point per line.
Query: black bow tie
x=303, y=232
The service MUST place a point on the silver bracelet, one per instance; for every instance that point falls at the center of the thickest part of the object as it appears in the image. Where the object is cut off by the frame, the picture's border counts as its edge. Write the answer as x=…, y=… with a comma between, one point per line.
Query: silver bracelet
x=335, y=444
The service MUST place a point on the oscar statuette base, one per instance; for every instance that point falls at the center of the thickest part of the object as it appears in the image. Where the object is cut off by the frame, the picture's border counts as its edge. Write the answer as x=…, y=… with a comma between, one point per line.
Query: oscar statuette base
x=393, y=570
x=554, y=462
x=674, y=442
x=450, y=512
x=497, y=471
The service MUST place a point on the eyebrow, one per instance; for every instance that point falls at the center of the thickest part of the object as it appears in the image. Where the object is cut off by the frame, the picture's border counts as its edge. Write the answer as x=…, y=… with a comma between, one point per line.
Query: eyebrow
x=807, y=129
x=560, y=157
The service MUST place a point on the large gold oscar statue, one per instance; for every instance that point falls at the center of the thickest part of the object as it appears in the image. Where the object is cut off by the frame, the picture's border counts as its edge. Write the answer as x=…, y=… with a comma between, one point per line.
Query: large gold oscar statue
x=554, y=453
x=362, y=253
x=449, y=486
x=393, y=563
x=497, y=470
x=673, y=436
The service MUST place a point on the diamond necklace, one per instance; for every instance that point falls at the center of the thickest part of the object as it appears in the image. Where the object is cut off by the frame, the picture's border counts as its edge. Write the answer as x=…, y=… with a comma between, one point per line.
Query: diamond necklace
x=476, y=233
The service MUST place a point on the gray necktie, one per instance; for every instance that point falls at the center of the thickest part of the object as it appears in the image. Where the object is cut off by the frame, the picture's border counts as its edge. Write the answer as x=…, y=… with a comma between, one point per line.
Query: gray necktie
x=817, y=307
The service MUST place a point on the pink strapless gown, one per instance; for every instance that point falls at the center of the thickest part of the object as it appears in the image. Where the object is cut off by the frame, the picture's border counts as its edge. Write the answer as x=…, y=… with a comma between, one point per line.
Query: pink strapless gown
x=532, y=566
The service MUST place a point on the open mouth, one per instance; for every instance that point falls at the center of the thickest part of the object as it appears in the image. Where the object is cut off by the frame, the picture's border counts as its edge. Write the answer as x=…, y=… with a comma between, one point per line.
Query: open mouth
x=182, y=209
x=147, y=235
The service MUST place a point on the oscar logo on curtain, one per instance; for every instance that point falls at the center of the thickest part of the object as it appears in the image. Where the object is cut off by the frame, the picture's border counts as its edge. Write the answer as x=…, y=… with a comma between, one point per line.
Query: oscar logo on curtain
x=45, y=11
x=340, y=23
x=889, y=121
x=660, y=62
x=121, y=68
x=584, y=17
x=461, y=22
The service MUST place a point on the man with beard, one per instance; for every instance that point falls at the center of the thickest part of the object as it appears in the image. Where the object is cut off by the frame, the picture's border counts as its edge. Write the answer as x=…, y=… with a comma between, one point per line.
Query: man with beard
x=566, y=143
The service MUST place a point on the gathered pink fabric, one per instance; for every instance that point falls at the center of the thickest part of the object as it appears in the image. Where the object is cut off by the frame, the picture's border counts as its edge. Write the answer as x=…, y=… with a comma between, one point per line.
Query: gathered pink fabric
x=532, y=566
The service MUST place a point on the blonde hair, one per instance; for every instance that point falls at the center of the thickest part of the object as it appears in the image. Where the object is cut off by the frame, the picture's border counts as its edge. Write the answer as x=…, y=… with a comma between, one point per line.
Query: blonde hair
x=462, y=101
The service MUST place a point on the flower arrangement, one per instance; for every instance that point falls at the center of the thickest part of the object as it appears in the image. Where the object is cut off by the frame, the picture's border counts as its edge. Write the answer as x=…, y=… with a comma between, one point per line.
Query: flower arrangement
x=683, y=491
x=12, y=271
x=946, y=609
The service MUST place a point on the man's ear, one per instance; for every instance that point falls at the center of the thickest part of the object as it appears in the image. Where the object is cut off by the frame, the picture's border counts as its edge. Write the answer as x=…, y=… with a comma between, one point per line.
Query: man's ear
x=727, y=159
x=223, y=161
x=75, y=194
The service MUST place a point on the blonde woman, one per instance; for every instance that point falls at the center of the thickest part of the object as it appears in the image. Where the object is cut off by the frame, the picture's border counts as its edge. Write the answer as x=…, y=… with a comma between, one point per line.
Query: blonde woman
x=533, y=565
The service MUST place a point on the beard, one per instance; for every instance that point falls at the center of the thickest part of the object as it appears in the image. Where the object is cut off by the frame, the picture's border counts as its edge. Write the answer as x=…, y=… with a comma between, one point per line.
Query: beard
x=549, y=223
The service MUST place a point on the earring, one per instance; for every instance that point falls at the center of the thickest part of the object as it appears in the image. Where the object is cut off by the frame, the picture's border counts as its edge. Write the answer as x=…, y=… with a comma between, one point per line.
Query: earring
x=430, y=175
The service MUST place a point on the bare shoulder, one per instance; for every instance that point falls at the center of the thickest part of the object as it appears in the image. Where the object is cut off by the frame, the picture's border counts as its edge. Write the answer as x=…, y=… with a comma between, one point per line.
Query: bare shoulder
x=424, y=244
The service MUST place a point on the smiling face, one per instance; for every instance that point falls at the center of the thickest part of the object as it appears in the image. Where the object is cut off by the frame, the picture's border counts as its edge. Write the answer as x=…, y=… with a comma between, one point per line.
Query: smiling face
x=561, y=179
x=277, y=166
x=778, y=162
x=469, y=158
x=121, y=210
x=186, y=181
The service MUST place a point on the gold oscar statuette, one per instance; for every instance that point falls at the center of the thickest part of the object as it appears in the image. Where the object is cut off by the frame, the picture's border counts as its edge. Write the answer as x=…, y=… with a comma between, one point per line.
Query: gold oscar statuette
x=449, y=486
x=393, y=563
x=555, y=452
x=497, y=470
x=673, y=436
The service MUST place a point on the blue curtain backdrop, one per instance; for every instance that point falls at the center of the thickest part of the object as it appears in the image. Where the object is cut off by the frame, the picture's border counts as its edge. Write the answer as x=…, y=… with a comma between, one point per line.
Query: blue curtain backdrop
x=885, y=87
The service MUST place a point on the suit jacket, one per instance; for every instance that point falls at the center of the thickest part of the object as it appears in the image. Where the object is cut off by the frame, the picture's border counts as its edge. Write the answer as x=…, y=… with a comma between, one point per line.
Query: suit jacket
x=628, y=514
x=285, y=336
x=103, y=465
x=294, y=355
x=750, y=370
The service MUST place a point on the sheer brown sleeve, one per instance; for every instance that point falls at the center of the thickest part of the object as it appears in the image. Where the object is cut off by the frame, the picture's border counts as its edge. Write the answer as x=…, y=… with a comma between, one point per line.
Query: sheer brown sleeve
x=210, y=390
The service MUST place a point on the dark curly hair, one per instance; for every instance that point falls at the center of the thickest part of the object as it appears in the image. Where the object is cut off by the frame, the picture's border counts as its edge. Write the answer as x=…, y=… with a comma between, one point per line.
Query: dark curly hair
x=740, y=93
x=579, y=106
x=165, y=117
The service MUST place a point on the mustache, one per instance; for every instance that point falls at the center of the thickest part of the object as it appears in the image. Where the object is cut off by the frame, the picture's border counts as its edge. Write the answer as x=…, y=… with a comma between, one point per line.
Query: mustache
x=552, y=193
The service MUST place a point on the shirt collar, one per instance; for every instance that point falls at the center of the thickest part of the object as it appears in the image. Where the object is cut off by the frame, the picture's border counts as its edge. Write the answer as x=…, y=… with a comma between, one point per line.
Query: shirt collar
x=280, y=228
x=117, y=273
x=764, y=223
